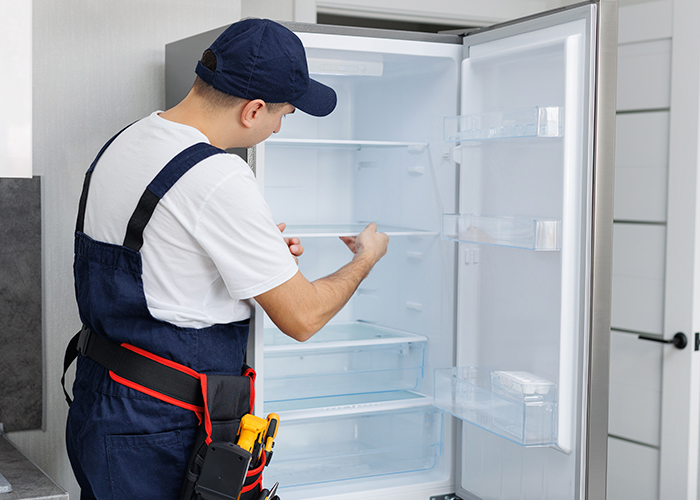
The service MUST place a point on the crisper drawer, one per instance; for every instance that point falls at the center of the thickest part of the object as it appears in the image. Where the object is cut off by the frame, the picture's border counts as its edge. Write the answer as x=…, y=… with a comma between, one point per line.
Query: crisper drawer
x=350, y=358
x=351, y=437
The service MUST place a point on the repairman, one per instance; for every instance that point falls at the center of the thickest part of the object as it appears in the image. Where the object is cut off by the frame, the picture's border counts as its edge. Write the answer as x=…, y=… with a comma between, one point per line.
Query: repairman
x=173, y=243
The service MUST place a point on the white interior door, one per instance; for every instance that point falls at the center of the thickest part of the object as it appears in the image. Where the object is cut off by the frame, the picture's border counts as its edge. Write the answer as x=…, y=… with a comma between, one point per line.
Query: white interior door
x=680, y=404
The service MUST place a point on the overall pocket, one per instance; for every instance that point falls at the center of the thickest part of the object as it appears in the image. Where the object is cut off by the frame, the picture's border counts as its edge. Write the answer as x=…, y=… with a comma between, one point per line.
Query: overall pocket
x=148, y=467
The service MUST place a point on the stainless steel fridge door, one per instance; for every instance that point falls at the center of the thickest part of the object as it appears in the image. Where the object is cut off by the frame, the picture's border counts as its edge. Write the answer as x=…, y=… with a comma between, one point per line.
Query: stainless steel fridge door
x=535, y=145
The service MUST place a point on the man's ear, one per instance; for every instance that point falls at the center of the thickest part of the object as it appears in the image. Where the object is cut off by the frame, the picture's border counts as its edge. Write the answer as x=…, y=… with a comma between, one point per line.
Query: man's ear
x=250, y=112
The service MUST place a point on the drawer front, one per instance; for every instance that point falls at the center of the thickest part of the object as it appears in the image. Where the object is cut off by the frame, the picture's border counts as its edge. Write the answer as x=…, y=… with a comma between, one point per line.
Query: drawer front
x=335, y=448
x=635, y=388
x=633, y=471
x=644, y=75
x=639, y=253
x=641, y=166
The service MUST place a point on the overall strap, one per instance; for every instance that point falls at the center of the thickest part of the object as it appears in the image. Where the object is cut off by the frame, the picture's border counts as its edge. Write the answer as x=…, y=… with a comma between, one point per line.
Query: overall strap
x=160, y=185
x=86, y=183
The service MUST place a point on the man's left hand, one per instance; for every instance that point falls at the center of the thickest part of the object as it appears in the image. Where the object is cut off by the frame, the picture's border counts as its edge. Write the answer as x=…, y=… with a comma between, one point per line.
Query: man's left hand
x=293, y=243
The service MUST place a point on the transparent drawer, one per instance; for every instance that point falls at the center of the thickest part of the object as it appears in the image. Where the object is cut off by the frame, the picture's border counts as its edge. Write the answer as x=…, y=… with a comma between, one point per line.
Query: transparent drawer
x=348, y=358
x=517, y=232
x=354, y=437
x=539, y=121
x=518, y=406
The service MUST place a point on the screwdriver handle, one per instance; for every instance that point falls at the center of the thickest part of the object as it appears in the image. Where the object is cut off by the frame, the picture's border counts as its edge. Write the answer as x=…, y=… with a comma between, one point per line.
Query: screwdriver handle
x=273, y=421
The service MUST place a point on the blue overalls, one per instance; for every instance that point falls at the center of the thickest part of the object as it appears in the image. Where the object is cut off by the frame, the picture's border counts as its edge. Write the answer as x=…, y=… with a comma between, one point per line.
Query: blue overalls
x=124, y=444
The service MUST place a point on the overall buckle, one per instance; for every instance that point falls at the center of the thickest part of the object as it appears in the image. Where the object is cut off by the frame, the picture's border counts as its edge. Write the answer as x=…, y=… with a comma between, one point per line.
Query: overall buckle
x=84, y=336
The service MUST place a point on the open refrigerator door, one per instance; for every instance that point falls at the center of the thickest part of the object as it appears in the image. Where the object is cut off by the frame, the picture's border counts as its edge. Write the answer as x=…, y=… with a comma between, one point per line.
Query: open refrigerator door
x=527, y=309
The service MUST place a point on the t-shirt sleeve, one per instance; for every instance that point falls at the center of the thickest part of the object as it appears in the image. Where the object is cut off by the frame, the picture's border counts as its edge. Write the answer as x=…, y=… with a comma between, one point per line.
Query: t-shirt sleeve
x=237, y=231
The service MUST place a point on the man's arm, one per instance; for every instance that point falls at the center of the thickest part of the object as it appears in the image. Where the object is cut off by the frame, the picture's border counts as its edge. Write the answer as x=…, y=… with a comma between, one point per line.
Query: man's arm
x=300, y=308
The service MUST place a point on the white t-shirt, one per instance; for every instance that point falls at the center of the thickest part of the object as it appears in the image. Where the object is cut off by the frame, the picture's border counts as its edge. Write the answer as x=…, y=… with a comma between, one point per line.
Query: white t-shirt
x=211, y=244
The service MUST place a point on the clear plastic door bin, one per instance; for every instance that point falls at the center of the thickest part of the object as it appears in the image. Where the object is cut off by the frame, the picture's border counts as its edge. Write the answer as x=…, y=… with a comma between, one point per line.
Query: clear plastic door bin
x=518, y=406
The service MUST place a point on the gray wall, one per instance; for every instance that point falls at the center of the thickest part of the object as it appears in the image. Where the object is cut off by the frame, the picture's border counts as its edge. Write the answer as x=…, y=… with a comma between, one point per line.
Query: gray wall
x=97, y=66
x=21, y=359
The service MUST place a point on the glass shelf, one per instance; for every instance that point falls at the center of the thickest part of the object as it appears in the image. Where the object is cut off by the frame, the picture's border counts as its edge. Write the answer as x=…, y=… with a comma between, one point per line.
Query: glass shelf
x=529, y=122
x=517, y=232
x=355, y=437
x=352, y=144
x=335, y=230
x=348, y=404
x=517, y=406
x=339, y=335
x=341, y=359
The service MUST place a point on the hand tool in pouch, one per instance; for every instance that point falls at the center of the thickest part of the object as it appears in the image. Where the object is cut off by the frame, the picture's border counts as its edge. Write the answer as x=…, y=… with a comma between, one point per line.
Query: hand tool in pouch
x=226, y=464
x=223, y=472
x=273, y=423
x=269, y=495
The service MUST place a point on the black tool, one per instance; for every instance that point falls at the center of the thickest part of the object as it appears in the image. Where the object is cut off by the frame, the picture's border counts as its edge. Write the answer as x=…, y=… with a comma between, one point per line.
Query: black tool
x=223, y=472
x=269, y=494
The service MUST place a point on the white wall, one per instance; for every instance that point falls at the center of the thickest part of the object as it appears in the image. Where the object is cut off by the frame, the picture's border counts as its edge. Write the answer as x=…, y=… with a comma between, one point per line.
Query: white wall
x=278, y=10
x=97, y=66
x=15, y=92
x=451, y=12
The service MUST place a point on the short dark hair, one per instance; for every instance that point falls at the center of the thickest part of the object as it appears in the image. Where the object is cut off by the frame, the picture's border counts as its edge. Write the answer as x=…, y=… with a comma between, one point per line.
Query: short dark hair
x=220, y=99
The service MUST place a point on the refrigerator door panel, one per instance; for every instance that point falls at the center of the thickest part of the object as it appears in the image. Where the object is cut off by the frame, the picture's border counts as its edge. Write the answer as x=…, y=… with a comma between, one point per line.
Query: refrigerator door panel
x=529, y=165
x=539, y=177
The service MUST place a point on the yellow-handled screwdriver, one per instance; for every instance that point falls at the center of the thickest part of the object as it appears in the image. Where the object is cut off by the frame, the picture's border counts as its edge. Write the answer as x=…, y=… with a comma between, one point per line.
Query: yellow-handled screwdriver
x=273, y=423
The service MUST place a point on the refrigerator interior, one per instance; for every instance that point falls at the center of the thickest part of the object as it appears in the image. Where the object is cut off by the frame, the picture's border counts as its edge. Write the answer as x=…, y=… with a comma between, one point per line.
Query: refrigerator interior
x=355, y=401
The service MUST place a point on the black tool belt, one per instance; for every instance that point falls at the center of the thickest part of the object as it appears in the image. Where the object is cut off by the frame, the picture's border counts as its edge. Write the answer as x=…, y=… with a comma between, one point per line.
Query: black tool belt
x=137, y=367
x=220, y=401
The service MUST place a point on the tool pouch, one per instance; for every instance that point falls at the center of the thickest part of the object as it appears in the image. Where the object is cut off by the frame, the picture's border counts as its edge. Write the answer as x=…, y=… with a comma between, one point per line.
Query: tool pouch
x=253, y=481
x=227, y=399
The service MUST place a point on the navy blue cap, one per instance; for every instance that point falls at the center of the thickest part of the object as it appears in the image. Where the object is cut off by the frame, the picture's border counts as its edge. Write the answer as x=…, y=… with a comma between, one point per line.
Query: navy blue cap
x=261, y=59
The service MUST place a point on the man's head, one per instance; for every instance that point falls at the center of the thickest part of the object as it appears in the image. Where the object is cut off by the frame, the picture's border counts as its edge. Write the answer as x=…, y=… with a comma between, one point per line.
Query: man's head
x=260, y=59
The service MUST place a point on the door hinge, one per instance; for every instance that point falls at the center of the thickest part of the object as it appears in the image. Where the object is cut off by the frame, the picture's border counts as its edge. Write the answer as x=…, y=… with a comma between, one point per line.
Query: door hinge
x=449, y=496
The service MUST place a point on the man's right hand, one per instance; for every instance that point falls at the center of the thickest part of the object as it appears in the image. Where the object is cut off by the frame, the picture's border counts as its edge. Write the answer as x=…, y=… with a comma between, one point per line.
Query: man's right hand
x=369, y=242
x=300, y=308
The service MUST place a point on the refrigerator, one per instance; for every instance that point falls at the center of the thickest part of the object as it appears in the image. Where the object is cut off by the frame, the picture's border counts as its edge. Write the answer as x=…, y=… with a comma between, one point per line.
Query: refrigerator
x=473, y=361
